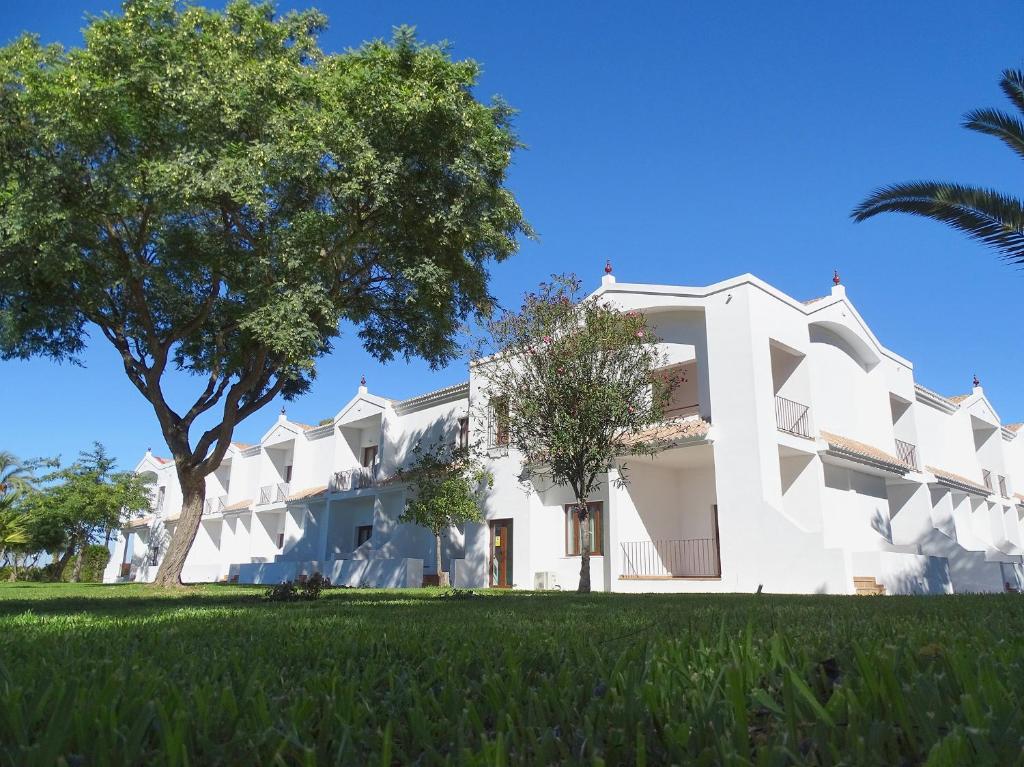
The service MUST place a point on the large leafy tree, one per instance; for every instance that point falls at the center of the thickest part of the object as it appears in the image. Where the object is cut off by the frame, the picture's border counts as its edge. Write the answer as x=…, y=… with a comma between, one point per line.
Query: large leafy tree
x=573, y=385
x=446, y=484
x=212, y=193
x=987, y=215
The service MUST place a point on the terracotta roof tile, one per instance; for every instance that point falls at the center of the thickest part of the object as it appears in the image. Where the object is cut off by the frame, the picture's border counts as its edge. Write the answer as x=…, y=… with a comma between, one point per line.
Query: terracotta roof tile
x=1015, y=426
x=672, y=431
x=958, y=398
x=863, y=450
x=309, y=492
x=158, y=459
x=810, y=301
x=138, y=522
x=241, y=445
x=303, y=426
x=239, y=506
x=959, y=480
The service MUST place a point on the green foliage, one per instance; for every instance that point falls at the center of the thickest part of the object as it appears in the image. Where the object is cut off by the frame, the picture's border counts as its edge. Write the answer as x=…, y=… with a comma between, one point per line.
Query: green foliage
x=991, y=217
x=95, y=559
x=215, y=675
x=214, y=194
x=80, y=504
x=446, y=484
x=308, y=590
x=574, y=383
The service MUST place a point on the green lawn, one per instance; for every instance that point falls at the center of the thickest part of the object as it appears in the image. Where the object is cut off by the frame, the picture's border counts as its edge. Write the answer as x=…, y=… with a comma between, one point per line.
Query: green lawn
x=103, y=675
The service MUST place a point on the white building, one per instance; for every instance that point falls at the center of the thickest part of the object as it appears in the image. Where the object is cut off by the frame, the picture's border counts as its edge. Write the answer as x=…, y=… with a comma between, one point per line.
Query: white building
x=804, y=458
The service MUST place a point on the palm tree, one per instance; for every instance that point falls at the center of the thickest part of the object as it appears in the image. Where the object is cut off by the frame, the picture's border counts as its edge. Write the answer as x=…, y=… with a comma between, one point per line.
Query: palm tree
x=16, y=479
x=992, y=217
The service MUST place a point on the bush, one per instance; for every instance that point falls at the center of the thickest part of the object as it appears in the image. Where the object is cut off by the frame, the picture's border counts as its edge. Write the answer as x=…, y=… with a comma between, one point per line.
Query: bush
x=306, y=590
x=96, y=558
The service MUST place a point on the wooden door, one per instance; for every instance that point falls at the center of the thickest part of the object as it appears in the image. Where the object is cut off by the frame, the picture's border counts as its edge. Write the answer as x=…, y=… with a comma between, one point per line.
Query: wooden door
x=501, y=553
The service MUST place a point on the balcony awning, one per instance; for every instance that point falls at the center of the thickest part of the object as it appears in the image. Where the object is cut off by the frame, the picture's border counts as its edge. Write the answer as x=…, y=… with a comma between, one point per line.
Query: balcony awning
x=309, y=493
x=861, y=452
x=672, y=432
x=959, y=482
x=239, y=506
x=138, y=522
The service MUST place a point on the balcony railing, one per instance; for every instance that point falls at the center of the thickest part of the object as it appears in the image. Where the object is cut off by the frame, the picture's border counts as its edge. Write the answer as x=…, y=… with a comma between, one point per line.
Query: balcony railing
x=907, y=453
x=986, y=477
x=352, y=479
x=274, y=493
x=214, y=505
x=792, y=417
x=1002, y=487
x=685, y=558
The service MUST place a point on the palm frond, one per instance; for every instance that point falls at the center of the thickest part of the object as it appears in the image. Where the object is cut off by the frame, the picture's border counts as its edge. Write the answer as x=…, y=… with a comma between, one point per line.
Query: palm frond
x=1004, y=127
x=983, y=214
x=1013, y=86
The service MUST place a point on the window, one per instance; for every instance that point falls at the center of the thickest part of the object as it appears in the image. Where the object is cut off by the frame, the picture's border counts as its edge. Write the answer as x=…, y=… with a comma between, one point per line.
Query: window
x=363, y=534
x=154, y=555
x=280, y=540
x=287, y=473
x=573, y=534
x=497, y=427
x=369, y=455
x=463, y=442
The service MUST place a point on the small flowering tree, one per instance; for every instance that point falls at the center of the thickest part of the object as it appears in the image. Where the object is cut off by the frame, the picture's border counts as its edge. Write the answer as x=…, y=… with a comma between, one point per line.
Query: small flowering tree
x=446, y=483
x=573, y=384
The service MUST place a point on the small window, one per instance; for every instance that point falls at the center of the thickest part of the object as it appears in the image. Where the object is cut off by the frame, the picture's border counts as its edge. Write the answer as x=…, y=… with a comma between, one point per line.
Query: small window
x=363, y=534
x=573, y=533
x=497, y=430
x=369, y=455
x=280, y=540
x=463, y=433
x=154, y=555
x=287, y=473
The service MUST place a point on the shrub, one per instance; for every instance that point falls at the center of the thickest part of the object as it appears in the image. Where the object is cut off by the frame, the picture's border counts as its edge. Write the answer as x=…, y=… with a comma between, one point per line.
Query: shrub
x=307, y=590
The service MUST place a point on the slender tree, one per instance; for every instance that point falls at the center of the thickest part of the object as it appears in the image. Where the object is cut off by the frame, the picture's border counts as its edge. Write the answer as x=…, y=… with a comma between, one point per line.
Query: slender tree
x=17, y=479
x=446, y=483
x=211, y=193
x=989, y=216
x=573, y=385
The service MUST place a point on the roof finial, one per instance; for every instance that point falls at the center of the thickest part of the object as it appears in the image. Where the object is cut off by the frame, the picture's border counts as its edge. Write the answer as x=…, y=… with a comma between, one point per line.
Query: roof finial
x=362, y=380
x=282, y=409
x=977, y=383
x=609, y=278
x=608, y=266
x=835, y=277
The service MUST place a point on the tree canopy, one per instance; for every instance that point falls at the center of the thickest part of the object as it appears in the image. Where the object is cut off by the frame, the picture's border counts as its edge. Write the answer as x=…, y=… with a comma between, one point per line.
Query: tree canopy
x=573, y=384
x=212, y=193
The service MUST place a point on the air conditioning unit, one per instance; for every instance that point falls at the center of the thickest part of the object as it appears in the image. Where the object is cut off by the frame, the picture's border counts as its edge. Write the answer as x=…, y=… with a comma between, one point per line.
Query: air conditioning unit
x=545, y=581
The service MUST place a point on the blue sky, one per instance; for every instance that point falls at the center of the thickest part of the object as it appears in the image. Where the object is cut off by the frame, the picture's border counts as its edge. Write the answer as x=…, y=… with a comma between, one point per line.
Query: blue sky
x=687, y=142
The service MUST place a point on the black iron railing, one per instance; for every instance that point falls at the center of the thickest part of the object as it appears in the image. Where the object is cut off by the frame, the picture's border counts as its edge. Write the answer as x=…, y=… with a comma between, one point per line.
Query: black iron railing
x=792, y=417
x=683, y=558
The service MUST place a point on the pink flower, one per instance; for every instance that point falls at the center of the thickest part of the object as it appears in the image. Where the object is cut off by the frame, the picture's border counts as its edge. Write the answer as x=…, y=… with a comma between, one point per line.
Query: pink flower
x=639, y=334
x=547, y=339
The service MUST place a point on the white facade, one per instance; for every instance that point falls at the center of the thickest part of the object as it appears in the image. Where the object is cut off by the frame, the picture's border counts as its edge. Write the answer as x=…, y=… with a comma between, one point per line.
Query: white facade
x=805, y=458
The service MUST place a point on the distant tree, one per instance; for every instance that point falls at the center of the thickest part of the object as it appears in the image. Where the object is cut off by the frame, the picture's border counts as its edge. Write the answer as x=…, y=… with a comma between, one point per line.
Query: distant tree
x=572, y=384
x=989, y=216
x=446, y=484
x=17, y=479
x=80, y=505
x=214, y=194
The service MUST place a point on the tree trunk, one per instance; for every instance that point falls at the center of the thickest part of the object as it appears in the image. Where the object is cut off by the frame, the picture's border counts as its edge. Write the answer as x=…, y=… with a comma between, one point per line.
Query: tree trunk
x=193, y=491
x=13, y=575
x=76, y=574
x=442, y=574
x=584, y=517
x=62, y=563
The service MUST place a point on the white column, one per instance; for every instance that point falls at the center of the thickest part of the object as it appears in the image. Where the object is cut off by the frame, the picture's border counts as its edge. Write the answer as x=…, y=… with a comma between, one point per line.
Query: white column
x=613, y=549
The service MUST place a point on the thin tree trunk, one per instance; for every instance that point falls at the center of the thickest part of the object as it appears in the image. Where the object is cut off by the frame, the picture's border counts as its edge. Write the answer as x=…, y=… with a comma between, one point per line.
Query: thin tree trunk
x=13, y=575
x=584, y=517
x=76, y=574
x=193, y=490
x=442, y=574
x=62, y=563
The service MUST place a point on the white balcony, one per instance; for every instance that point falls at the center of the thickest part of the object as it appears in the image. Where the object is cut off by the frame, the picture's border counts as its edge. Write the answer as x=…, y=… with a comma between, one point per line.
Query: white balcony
x=352, y=479
x=277, y=493
x=214, y=505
